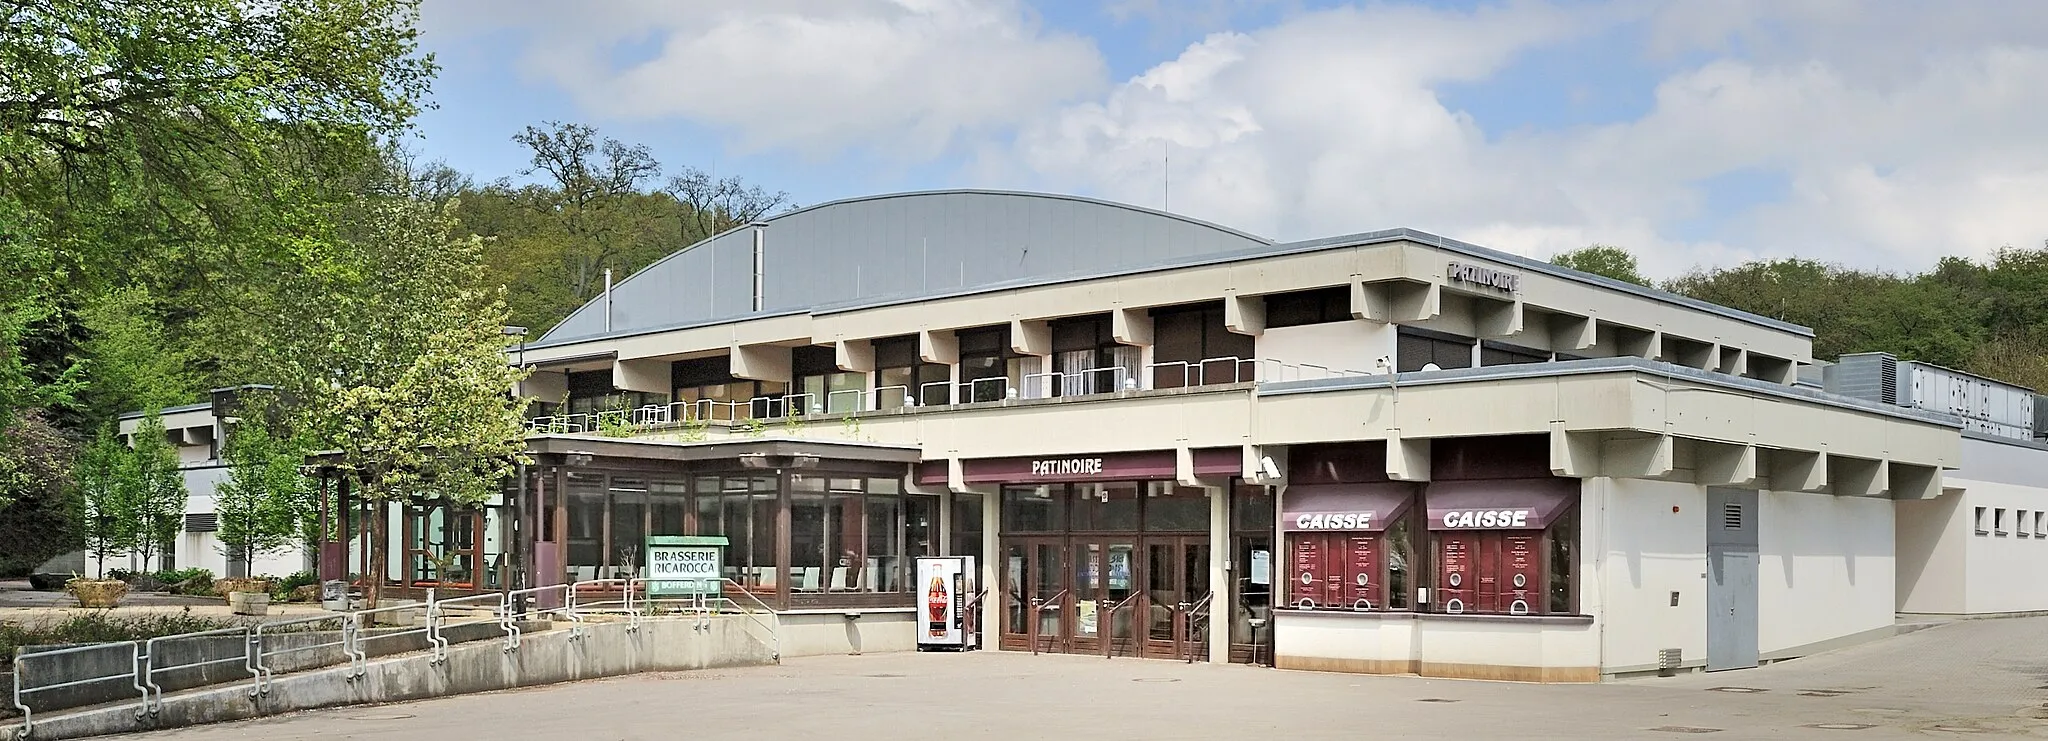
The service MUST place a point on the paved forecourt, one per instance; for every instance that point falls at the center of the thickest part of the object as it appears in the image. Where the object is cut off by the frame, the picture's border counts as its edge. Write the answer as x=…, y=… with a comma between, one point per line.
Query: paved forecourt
x=1972, y=679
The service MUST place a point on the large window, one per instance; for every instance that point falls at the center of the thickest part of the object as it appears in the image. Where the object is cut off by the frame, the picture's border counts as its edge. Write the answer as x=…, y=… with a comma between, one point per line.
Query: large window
x=713, y=392
x=1034, y=509
x=901, y=374
x=1499, y=353
x=591, y=391
x=821, y=387
x=849, y=535
x=1088, y=359
x=1416, y=349
x=1191, y=347
x=989, y=369
x=1503, y=546
x=1349, y=546
x=1317, y=306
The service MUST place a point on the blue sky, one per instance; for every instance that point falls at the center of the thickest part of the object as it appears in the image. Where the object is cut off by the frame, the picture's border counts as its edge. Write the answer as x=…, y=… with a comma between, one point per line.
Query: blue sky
x=1693, y=131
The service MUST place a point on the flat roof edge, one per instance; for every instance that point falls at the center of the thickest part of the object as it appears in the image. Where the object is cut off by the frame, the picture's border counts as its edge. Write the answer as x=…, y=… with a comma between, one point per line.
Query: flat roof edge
x=1604, y=365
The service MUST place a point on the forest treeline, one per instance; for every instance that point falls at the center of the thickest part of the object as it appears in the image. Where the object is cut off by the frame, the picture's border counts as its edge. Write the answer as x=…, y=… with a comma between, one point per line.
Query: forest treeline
x=1987, y=316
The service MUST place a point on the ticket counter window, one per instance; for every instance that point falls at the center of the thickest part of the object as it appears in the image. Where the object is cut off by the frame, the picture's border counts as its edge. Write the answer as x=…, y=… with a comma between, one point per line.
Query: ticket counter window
x=1502, y=547
x=1349, y=546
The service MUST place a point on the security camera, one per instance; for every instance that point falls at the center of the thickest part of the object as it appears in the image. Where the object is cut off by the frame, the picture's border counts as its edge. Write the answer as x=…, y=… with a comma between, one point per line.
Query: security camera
x=1267, y=467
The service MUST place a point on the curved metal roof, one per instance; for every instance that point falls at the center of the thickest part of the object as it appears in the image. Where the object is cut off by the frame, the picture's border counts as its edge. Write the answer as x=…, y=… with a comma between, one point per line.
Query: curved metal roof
x=856, y=249
x=896, y=248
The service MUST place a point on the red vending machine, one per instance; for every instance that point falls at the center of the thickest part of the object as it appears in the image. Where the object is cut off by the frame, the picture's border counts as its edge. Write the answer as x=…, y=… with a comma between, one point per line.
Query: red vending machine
x=946, y=589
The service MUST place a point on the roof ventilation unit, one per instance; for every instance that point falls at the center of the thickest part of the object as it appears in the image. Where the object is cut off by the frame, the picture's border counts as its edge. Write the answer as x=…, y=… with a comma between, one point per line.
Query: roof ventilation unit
x=1873, y=376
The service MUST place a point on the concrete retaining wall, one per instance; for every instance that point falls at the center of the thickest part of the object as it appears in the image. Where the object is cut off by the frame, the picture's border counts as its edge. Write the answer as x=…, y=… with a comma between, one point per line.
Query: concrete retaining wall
x=113, y=661
x=604, y=650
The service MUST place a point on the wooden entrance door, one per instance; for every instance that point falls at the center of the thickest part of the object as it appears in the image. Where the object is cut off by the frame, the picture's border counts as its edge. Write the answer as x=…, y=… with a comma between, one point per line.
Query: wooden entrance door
x=1036, y=595
x=1176, y=592
x=1105, y=598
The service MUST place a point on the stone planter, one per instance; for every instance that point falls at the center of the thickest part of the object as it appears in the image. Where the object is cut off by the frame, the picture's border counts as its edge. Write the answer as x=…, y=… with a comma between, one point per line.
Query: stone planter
x=97, y=592
x=249, y=603
x=233, y=584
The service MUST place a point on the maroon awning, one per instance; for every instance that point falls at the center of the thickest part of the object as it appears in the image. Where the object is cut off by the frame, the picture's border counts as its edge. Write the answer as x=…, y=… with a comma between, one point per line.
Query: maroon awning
x=1352, y=507
x=1502, y=504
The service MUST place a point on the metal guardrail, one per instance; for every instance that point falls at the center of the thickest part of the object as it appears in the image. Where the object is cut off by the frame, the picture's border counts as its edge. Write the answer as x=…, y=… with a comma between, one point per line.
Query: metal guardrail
x=1103, y=380
x=145, y=660
x=1039, y=605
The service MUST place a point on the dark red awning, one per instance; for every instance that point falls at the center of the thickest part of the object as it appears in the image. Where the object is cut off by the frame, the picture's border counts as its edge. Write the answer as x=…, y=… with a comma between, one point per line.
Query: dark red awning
x=1347, y=507
x=1503, y=504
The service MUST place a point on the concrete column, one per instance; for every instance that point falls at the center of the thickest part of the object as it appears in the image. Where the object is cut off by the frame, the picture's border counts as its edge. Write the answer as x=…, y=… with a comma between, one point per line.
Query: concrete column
x=992, y=567
x=1219, y=574
x=943, y=529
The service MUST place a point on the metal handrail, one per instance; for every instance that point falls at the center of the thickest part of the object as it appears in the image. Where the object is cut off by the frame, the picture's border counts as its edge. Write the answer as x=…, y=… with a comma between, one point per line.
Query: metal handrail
x=1029, y=386
x=1109, y=618
x=260, y=673
x=1188, y=617
x=21, y=675
x=146, y=663
x=1038, y=606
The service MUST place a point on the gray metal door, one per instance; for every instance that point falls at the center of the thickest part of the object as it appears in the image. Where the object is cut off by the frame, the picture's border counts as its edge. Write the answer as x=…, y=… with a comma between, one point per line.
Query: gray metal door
x=1731, y=579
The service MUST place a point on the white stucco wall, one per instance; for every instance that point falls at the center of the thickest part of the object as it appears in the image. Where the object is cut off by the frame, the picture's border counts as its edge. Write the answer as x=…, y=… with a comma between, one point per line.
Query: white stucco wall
x=1649, y=551
x=1946, y=567
x=1825, y=568
x=1999, y=573
x=1933, y=539
x=1352, y=346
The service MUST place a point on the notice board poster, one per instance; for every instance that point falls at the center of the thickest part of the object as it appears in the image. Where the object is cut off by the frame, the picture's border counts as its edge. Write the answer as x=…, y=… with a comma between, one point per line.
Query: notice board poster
x=1360, y=587
x=1339, y=571
x=1307, y=568
x=1455, y=578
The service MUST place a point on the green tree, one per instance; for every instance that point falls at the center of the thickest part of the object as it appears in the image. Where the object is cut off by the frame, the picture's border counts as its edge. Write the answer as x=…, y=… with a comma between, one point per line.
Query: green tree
x=157, y=498
x=128, y=362
x=265, y=500
x=1603, y=259
x=185, y=147
x=400, y=364
x=108, y=484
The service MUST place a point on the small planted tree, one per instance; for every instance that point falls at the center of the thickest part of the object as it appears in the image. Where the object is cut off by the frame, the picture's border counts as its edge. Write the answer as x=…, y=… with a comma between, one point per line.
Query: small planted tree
x=158, y=498
x=107, y=484
x=265, y=500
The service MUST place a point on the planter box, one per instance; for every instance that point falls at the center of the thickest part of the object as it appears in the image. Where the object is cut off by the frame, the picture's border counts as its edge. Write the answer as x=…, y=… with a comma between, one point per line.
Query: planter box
x=97, y=592
x=249, y=603
x=231, y=585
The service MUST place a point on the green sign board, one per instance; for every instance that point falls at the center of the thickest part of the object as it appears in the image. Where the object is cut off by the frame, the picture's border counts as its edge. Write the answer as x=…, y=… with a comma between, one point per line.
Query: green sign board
x=685, y=565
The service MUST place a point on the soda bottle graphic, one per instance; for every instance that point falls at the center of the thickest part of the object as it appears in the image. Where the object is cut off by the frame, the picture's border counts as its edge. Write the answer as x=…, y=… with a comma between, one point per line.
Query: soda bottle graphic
x=935, y=607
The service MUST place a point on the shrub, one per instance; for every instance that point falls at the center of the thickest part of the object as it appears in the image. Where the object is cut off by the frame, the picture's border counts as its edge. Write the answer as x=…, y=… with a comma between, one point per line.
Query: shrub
x=193, y=582
x=98, y=627
x=281, y=589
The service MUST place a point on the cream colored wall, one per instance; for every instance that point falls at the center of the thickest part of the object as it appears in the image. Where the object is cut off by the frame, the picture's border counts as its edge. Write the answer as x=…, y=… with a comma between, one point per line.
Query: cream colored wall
x=1354, y=345
x=1398, y=642
x=818, y=634
x=1647, y=552
x=2000, y=573
x=1825, y=568
x=1933, y=541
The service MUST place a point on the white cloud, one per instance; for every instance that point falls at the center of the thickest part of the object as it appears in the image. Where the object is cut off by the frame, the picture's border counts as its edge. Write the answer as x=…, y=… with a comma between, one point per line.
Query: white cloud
x=1896, y=147
x=817, y=76
x=1900, y=131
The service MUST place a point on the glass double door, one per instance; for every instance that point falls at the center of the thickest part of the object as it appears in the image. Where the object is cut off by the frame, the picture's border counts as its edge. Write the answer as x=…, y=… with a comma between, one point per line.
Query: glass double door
x=1115, y=596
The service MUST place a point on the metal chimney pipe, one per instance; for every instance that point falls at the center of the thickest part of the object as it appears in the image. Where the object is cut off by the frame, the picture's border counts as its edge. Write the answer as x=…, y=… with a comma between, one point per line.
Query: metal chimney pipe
x=607, y=299
x=760, y=238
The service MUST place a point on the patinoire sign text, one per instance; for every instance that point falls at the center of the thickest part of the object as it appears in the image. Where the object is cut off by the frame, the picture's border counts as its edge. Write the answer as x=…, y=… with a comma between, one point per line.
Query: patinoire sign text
x=1483, y=276
x=1067, y=467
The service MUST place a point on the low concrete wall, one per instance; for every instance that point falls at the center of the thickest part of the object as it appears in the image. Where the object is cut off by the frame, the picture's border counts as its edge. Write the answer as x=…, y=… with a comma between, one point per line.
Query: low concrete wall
x=823, y=633
x=225, y=657
x=604, y=650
